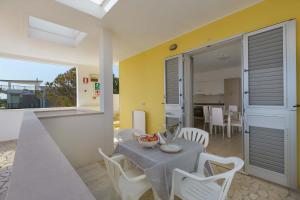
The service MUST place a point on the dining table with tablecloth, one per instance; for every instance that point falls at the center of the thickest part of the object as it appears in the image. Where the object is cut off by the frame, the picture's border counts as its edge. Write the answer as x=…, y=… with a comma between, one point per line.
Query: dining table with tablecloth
x=158, y=166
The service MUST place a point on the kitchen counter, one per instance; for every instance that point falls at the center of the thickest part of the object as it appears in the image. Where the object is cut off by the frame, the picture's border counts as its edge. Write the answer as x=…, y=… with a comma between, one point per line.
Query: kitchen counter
x=208, y=104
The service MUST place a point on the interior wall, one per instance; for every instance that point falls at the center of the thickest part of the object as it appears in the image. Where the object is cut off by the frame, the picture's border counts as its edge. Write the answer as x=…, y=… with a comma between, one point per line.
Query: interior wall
x=208, y=87
x=212, y=82
x=142, y=76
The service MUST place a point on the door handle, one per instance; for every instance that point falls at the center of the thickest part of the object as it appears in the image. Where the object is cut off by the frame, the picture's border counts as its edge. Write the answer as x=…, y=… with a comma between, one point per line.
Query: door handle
x=247, y=132
x=296, y=106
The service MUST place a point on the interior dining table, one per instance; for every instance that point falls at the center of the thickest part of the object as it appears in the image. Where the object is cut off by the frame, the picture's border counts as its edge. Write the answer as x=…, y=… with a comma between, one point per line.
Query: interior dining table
x=158, y=166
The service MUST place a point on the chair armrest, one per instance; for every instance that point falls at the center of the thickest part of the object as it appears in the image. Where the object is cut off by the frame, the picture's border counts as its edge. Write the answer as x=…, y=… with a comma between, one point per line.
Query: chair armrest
x=118, y=158
x=136, y=179
x=122, y=160
x=180, y=174
x=183, y=174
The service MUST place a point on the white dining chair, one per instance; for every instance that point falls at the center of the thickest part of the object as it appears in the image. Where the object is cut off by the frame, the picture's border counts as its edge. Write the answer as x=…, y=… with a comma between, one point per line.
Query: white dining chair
x=232, y=108
x=194, y=135
x=128, y=134
x=237, y=122
x=198, y=186
x=130, y=183
x=206, y=116
x=217, y=120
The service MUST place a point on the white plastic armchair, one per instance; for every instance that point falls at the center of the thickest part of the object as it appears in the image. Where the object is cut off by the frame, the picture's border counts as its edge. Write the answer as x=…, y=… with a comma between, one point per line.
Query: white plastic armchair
x=197, y=186
x=130, y=184
x=195, y=135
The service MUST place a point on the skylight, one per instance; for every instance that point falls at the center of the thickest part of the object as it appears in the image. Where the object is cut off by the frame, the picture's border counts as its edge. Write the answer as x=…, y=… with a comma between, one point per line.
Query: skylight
x=99, y=2
x=49, y=31
x=96, y=8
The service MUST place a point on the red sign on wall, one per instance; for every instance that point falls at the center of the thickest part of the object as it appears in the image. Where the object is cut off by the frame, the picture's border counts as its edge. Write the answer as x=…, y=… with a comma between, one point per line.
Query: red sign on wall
x=85, y=80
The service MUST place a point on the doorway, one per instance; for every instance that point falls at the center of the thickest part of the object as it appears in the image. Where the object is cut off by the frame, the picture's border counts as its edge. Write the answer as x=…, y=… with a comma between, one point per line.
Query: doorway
x=216, y=85
x=267, y=104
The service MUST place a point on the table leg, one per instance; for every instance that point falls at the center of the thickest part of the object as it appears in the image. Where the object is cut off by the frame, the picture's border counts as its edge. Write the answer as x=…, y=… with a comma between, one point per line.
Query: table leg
x=229, y=126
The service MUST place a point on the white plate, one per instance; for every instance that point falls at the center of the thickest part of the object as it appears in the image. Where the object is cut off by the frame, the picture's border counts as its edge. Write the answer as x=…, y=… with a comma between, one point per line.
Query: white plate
x=170, y=148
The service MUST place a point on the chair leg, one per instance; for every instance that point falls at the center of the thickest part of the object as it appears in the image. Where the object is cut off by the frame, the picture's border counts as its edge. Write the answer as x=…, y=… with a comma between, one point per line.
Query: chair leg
x=223, y=131
x=156, y=197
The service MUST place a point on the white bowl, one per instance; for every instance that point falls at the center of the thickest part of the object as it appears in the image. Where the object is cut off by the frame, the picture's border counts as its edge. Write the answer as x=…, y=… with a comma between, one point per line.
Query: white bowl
x=147, y=144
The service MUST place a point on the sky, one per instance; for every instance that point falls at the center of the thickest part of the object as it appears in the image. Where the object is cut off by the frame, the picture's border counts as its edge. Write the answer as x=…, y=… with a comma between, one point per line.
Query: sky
x=26, y=70
x=11, y=69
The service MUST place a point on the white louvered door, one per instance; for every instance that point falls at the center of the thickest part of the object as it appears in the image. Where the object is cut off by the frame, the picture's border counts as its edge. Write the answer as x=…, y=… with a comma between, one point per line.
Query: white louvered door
x=174, y=90
x=269, y=100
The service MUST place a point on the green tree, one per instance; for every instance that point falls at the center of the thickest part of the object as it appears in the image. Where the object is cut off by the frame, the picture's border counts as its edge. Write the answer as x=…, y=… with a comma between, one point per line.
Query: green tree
x=62, y=91
x=116, y=84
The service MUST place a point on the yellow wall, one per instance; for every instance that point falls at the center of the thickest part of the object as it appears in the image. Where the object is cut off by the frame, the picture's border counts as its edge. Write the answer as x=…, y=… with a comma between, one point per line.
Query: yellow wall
x=141, y=76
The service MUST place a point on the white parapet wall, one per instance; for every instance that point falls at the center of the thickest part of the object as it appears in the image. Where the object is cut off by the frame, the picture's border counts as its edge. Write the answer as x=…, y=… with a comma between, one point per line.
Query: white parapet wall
x=40, y=169
x=77, y=132
x=10, y=123
x=79, y=136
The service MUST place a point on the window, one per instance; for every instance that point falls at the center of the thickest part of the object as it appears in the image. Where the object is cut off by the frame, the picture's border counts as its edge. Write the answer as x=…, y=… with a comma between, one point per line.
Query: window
x=25, y=84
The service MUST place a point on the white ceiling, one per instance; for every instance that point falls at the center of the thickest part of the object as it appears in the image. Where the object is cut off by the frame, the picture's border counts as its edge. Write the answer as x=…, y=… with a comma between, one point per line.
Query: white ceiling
x=137, y=25
x=222, y=57
x=14, y=40
x=141, y=24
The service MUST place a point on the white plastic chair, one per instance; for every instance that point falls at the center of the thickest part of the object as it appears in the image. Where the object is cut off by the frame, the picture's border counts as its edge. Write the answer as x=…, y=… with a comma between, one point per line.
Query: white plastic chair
x=232, y=108
x=206, y=116
x=197, y=186
x=128, y=134
x=195, y=135
x=217, y=119
x=238, y=123
x=130, y=184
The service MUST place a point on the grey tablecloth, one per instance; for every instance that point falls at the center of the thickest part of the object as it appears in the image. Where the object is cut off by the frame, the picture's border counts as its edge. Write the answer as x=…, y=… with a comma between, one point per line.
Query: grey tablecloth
x=158, y=166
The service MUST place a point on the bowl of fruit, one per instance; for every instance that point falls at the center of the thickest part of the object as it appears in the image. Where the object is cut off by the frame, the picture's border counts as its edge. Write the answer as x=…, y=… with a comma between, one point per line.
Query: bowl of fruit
x=148, y=141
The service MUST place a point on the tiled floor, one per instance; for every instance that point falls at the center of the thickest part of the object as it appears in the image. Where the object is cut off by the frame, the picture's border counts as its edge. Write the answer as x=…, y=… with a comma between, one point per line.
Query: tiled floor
x=7, y=154
x=243, y=187
x=226, y=147
x=94, y=175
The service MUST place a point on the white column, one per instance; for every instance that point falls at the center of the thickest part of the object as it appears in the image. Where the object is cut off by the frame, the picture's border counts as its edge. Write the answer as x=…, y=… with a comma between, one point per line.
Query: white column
x=106, y=81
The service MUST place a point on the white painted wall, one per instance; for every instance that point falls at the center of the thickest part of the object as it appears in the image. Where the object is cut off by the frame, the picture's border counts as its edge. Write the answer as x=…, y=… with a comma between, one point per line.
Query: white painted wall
x=212, y=82
x=79, y=137
x=85, y=92
x=10, y=123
